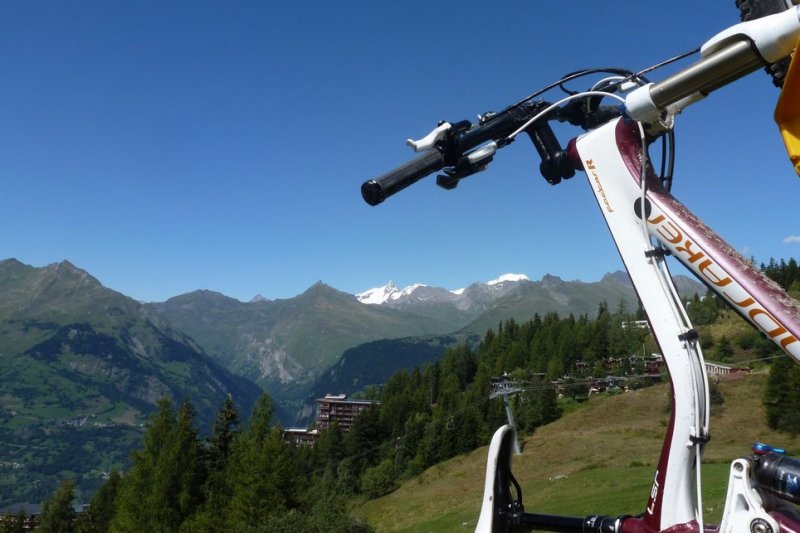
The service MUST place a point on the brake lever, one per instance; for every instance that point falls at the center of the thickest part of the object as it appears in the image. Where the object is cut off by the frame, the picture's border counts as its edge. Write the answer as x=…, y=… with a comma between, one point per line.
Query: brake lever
x=430, y=140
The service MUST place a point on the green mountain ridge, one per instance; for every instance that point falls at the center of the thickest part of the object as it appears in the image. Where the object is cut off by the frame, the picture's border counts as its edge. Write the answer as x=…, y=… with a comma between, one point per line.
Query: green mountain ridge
x=82, y=366
x=554, y=295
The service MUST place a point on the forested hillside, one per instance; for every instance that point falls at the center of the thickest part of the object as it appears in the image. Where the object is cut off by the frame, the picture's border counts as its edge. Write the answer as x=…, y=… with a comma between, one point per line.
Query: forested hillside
x=781, y=397
x=244, y=475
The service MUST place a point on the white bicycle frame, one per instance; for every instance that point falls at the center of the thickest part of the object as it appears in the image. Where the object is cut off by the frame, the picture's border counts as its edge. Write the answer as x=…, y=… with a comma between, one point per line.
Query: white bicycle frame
x=646, y=223
x=612, y=157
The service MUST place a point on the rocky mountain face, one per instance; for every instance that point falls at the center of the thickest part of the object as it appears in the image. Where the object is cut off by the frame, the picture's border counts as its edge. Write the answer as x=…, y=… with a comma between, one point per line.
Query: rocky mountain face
x=284, y=343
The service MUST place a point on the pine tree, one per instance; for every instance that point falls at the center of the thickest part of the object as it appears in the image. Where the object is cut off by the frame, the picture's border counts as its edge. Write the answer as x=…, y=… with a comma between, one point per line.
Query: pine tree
x=724, y=350
x=217, y=489
x=364, y=438
x=260, y=472
x=379, y=480
x=546, y=408
x=329, y=448
x=186, y=459
x=134, y=509
x=223, y=432
x=779, y=399
x=704, y=311
x=58, y=514
x=97, y=519
x=162, y=488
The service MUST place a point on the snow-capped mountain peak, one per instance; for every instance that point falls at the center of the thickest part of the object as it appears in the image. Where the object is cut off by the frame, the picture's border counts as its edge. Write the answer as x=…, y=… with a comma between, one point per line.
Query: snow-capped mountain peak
x=390, y=294
x=378, y=295
x=508, y=277
x=387, y=293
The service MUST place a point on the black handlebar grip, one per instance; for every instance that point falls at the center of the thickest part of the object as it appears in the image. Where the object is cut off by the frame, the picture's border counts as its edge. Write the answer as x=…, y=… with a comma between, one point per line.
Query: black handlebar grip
x=377, y=190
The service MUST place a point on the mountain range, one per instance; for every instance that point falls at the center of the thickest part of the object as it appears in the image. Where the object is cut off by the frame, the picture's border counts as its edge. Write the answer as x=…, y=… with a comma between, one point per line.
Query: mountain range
x=295, y=346
x=284, y=345
x=466, y=298
x=509, y=296
x=82, y=365
x=292, y=342
x=482, y=305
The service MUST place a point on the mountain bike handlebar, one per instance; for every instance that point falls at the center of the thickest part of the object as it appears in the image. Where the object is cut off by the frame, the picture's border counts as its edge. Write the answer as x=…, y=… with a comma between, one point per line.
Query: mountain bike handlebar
x=462, y=149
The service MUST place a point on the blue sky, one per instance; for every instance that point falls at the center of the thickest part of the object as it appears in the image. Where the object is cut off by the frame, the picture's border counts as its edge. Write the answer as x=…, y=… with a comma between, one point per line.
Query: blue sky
x=172, y=146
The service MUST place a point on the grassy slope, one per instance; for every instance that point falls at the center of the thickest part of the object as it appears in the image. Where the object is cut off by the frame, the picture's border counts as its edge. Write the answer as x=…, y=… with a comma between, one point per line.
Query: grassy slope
x=607, y=452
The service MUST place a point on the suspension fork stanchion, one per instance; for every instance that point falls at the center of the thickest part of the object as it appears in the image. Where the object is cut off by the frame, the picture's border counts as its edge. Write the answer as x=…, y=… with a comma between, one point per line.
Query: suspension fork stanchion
x=617, y=190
